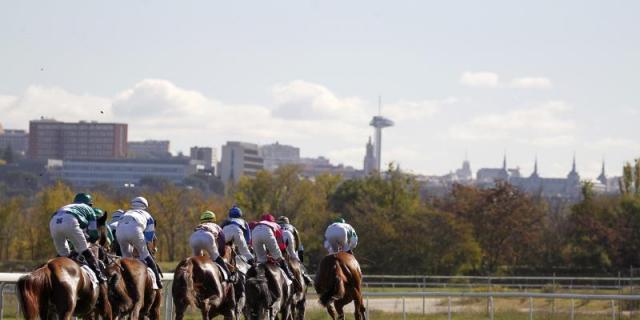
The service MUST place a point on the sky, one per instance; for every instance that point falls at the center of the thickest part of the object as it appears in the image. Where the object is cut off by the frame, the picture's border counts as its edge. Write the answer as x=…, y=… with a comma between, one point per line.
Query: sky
x=475, y=79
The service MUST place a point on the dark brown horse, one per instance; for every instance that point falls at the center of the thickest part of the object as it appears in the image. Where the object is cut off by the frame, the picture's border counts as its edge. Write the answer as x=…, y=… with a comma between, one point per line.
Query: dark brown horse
x=199, y=281
x=131, y=290
x=268, y=292
x=62, y=288
x=338, y=282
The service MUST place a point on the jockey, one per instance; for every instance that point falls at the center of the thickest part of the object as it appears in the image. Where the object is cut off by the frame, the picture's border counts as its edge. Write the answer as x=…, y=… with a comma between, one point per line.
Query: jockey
x=295, y=249
x=67, y=225
x=340, y=236
x=267, y=238
x=135, y=230
x=236, y=231
x=208, y=236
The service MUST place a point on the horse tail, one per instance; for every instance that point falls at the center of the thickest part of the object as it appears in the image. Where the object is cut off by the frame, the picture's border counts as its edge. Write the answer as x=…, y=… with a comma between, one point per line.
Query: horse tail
x=183, y=288
x=331, y=277
x=34, y=290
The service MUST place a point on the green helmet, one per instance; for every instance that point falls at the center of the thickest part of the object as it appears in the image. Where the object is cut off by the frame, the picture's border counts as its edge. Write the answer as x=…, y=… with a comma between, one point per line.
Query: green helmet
x=208, y=216
x=339, y=220
x=283, y=220
x=83, y=198
x=98, y=212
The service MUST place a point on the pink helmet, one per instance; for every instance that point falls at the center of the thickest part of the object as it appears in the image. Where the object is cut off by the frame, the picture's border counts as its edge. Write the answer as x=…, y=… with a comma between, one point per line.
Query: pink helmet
x=267, y=217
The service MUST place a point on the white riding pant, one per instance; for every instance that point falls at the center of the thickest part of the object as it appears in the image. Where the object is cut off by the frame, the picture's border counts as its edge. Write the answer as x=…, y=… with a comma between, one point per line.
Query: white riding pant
x=336, y=239
x=65, y=228
x=290, y=240
x=263, y=242
x=131, y=236
x=204, y=241
x=234, y=234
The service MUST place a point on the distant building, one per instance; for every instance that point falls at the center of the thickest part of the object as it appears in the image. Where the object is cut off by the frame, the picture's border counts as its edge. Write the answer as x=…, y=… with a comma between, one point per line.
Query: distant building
x=17, y=139
x=204, y=154
x=491, y=175
x=51, y=139
x=369, y=164
x=276, y=155
x=149, y=149
x=313, y=167
x=124, y=172
x=239, y=159
x=379, y=122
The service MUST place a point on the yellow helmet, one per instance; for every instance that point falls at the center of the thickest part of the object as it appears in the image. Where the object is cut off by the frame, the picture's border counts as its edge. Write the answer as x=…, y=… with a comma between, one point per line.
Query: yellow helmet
x=208, y=216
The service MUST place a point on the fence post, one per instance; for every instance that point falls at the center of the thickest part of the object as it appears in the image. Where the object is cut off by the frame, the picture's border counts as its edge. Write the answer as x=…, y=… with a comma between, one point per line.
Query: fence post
x=573, y=312
x=367, y=307
x=491, y=307
x=613, y=310
x=530, y=308
x=404, y=311
x=449, y=309
x=2, y=284
x=424, y=298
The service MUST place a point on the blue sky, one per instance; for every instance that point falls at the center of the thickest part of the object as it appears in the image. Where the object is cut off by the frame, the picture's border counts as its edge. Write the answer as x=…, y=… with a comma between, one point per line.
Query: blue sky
x=545, y=78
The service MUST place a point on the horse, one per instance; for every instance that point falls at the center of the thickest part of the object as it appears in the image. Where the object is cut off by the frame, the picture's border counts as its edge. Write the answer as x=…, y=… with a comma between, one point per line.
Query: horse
x=338, y=282
x=299, y=296
x=131, y=290
x=239, y=267
x=199, y=281
x=60, y=286
x=268, y=293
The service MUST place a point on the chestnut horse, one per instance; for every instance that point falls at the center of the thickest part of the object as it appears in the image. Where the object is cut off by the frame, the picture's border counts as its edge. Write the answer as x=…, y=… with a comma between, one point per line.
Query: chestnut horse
x=131, y=291
x=61, y=287
x=199, y=281
x=338, y=282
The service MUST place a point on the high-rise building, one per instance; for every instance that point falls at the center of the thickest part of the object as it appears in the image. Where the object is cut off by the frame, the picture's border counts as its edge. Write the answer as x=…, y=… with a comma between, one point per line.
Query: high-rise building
x=149, y=149
x=51, y=139
x=239, y=159
x=276, y=155
x=17, y=139
x=204, y=154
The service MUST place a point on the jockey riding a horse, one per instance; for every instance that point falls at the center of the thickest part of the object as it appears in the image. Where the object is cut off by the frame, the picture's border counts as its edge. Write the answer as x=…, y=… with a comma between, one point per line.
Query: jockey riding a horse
x=209, y=237
x=236, y=232
x=135, y=230
x=295, y=249
x=267, y=238
x=67, y=225
x=340, y=236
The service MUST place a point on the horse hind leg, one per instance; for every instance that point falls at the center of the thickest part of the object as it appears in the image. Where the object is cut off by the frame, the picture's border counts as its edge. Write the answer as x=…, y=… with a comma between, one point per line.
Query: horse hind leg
x=180, y=309
x=331, y=310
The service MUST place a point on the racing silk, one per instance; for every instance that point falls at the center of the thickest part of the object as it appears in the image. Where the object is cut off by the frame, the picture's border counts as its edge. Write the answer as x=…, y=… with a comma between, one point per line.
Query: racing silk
x=240, y=223
x=144, y=221
x=114, y=223
x=86, y=217
x=277, y=232
x=296, y=236
x=216, y=231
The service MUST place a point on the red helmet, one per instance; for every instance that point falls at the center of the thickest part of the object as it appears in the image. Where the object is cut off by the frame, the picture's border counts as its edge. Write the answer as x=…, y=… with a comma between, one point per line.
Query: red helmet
x=267, y=217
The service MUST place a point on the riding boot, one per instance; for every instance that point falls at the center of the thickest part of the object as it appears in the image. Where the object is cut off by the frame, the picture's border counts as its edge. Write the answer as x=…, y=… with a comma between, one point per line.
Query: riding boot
x=152, y=264
x=307, y=280
x=94, y=265
x=230, y=277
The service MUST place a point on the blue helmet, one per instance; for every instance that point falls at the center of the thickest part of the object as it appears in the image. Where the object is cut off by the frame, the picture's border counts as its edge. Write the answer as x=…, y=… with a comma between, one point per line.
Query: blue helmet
x=235, y=212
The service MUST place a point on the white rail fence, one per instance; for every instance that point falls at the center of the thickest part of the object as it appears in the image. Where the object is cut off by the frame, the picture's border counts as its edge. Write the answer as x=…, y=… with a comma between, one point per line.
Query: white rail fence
x=8, y=280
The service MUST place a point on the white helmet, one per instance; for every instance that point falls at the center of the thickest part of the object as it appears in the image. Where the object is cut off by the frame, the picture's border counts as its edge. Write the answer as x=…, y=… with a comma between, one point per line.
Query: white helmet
x=117, y=215
x=139, y=203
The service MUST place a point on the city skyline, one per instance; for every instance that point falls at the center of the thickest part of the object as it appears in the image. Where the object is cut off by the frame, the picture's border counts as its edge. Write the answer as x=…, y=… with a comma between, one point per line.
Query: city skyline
x=541, y=79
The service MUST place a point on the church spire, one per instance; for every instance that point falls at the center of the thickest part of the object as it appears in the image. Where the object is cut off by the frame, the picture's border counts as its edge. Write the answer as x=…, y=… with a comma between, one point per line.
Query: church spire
x=535, y=168
x=602, y=177
x=504, y=162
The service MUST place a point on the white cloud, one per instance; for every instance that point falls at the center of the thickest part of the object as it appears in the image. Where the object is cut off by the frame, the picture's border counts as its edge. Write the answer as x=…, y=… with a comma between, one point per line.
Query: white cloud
x=480, y=79
x=531, y=83
x=611, y=143
x=539, y=125
x=492, y=80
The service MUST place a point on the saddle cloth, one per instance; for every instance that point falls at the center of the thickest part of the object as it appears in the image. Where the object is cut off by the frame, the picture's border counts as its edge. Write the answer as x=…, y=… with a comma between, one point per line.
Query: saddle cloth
x=153, y=278
x=90, y=274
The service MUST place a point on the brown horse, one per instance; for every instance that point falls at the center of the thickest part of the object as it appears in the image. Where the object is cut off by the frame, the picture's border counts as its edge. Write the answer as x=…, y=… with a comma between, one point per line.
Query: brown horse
x=61, y=287
x=198, y=281
x=299, y=296
x=131, y=291
x=268, y=293
x=338, y=282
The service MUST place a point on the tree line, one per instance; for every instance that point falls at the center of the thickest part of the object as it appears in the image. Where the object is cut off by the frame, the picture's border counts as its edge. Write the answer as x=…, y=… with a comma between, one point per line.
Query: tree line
x=497, y=230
